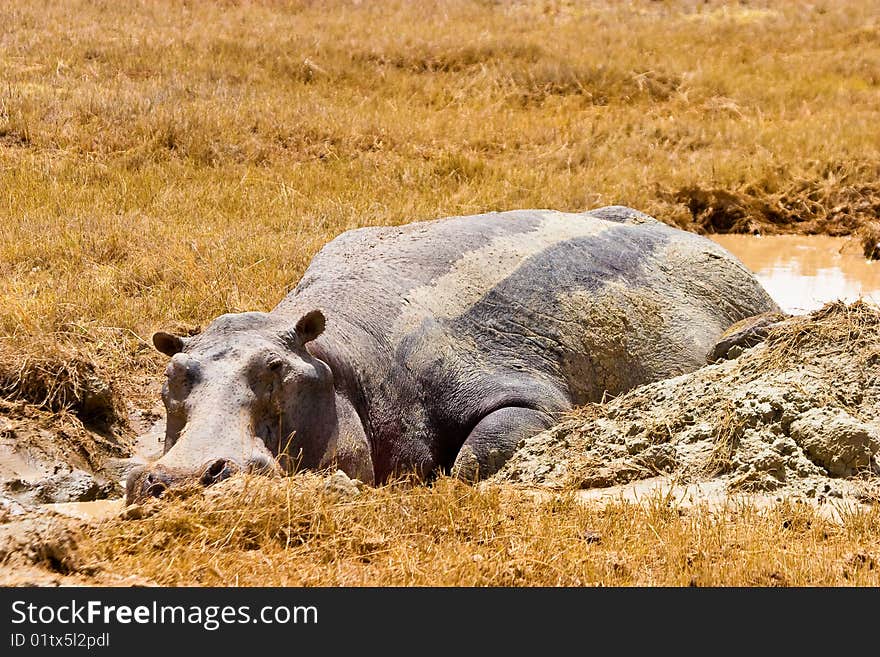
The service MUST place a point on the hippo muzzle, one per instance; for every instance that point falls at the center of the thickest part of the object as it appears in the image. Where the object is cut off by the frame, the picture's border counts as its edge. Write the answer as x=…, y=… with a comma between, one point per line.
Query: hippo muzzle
x=154, y=480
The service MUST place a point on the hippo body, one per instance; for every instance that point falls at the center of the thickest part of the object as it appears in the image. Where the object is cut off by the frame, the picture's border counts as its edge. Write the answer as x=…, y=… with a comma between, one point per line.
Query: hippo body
x=439, y=345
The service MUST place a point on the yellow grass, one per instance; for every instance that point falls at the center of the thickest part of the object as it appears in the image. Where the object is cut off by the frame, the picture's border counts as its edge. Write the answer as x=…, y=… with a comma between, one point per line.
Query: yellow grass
x=292, y=533
x=164, y=162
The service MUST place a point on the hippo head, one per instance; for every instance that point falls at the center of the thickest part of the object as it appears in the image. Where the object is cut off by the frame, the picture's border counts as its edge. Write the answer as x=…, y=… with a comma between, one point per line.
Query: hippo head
x=245, y=394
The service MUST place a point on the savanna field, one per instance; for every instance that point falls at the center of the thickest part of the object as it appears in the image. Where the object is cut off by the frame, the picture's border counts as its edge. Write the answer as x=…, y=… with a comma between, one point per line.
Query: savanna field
x=162, y=163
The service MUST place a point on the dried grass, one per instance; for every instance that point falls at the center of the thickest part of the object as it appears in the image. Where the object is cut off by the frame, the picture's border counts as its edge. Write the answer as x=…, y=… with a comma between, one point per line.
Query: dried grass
x=726, y=433
x=843, y=199
x=870, y=238
x=257, y=531
x=837, y=327
x=59, y=380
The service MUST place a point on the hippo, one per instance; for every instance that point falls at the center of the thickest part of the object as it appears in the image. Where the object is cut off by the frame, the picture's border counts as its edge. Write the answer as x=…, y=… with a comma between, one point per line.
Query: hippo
x=435, y=347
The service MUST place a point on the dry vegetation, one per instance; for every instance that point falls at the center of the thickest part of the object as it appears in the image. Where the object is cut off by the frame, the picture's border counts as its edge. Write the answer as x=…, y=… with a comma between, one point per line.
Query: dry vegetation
x=294, y=532
x=165, y=162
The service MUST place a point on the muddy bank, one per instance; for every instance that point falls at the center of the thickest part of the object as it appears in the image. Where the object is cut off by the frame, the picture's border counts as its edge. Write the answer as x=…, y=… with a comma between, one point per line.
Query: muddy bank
x=64, y=432
x=841, y=198
x=798, y=415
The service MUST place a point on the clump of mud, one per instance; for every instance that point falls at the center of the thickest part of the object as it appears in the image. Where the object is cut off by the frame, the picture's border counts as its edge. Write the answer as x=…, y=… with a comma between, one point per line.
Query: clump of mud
x=49, y=541
x=61, y=426
x=57, y=382
x=797, y=415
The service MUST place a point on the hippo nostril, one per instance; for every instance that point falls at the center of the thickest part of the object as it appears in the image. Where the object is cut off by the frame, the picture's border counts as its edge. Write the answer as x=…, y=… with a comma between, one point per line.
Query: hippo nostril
x=155, y=489
x=218, y=471
x=216, y=468
x=146, y=482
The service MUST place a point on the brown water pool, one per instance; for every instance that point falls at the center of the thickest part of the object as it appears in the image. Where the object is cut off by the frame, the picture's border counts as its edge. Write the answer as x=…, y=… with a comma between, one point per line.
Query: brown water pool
x=803, y=272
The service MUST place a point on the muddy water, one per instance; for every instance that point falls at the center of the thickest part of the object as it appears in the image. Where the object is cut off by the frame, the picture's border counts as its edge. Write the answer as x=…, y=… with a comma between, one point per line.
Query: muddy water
x=803, y=272
x=91, y=511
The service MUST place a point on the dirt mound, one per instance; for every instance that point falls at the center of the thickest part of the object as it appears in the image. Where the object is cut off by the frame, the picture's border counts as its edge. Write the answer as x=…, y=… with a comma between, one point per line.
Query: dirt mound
x=61, y=426
x=58, y=381
x=797, y=415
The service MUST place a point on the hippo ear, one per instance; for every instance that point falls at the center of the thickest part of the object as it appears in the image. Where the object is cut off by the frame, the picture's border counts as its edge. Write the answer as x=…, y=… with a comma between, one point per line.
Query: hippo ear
x=310, y=326
x=168, y=344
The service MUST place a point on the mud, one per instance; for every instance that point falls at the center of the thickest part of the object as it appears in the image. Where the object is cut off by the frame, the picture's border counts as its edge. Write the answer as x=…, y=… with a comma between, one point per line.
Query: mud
x=796, y=416
x=44, y=540
x=47, y=458
x=95, y=511
x=697, y=497
x=64, y=436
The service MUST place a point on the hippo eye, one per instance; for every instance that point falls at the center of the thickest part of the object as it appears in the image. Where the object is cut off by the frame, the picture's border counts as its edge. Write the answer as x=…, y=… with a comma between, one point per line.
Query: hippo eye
x=274, y=364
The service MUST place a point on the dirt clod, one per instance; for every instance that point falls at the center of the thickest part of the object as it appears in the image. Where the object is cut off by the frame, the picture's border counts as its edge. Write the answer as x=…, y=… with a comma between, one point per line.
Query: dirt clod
x=836, y=441
x=339, y=484
x=44, y=540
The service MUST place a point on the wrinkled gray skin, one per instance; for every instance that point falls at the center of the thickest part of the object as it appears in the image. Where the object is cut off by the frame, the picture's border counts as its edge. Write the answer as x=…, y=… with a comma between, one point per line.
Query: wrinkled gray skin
x=446, y=342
